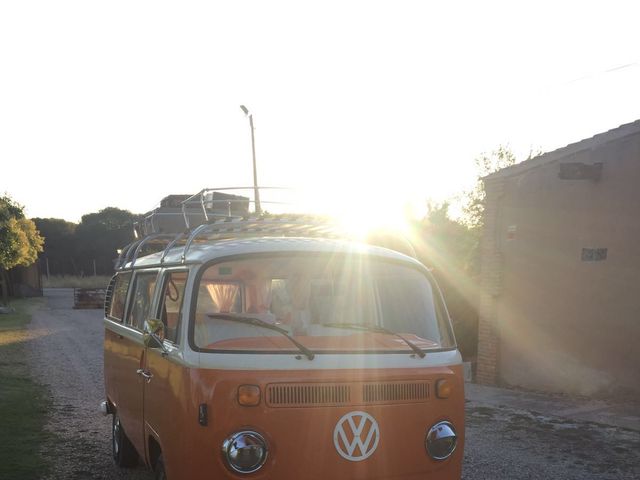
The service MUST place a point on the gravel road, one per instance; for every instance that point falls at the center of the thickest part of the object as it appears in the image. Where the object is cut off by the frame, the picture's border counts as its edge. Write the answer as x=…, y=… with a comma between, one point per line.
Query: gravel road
x=502, y=443
x=67, y=357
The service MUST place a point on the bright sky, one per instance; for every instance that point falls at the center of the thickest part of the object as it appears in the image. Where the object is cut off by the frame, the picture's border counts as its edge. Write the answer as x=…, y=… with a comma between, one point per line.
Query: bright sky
x=366, y=104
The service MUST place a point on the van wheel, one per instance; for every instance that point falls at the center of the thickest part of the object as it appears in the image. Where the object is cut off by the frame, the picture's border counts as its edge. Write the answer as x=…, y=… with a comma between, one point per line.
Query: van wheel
x=124, y=454
x=160, y=474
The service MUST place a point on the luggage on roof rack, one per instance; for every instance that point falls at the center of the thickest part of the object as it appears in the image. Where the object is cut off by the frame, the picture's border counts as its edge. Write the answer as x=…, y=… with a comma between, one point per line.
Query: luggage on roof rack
x=179, y=212
x=211, y=215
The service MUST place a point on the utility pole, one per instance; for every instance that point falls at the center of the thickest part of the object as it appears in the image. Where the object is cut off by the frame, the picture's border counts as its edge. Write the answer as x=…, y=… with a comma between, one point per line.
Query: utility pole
x=256, y=190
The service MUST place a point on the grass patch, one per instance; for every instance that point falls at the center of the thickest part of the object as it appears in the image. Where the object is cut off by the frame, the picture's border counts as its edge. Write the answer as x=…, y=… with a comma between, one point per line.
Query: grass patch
x=74, y=281
x=24, y=404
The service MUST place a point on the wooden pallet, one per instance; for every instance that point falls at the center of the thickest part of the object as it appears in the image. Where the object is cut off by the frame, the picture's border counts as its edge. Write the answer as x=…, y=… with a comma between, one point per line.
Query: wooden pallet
x=88, y=297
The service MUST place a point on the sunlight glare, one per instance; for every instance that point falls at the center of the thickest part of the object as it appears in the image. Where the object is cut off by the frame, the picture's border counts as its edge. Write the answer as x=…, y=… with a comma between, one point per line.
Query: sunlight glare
x=360, y=218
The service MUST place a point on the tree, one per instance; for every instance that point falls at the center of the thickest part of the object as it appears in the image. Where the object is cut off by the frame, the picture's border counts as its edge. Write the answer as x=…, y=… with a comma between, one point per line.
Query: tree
x=20, y=241
x=109, y=218
x=59, y=245
x=448, y=235
x=100, y=234
x=446, y=246
x=486, y=164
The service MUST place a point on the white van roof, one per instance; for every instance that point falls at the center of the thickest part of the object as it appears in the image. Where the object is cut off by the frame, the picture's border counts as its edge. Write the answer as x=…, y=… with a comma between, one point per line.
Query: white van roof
x=200, y=253
x=244, y=235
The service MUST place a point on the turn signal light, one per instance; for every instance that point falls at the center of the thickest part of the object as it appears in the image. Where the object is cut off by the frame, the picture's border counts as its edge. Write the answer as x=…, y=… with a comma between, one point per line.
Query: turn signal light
x=249, y=395
x=443, y=388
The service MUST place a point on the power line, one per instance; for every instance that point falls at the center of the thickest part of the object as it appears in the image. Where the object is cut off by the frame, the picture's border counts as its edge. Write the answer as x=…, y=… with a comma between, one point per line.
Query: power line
x=601, y=72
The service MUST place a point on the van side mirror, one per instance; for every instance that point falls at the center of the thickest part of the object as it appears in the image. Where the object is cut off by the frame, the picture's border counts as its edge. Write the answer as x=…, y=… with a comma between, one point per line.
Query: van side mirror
x=153, y=334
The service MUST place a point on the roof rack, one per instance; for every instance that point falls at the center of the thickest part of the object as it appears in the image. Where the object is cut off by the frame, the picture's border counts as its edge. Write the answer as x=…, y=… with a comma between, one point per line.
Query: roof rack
x=225, y=229
x=185, y=220
x=269, y=226
x=132, y=251
x=179, y=212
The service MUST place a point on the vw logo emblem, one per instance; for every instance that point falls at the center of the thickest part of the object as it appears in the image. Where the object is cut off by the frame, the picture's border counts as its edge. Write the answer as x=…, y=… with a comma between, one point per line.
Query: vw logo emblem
x=356, y=436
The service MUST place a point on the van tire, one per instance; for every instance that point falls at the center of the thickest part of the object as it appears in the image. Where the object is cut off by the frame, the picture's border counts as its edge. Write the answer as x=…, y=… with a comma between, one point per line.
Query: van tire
x=124, y=453
x=159, y=473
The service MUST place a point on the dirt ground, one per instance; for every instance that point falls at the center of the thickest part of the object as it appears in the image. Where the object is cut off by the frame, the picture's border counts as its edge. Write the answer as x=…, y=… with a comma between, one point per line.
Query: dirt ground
x=502, y=443
x=67, y=357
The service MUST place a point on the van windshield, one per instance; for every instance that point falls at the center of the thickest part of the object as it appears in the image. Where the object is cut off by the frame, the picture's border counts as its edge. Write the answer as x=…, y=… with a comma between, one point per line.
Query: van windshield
x=328, y=303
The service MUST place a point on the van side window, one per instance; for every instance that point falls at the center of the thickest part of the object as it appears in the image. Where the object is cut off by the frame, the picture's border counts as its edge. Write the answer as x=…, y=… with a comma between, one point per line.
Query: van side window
x=171, y=304
x=119, y=297
x=144, y=286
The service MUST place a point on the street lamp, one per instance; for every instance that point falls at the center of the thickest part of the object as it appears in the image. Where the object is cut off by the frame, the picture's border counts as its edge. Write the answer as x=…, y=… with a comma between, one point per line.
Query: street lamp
x=256, y=192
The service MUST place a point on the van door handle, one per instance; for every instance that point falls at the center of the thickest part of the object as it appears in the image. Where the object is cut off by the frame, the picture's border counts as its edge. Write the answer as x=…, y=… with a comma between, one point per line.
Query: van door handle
x=147, y=375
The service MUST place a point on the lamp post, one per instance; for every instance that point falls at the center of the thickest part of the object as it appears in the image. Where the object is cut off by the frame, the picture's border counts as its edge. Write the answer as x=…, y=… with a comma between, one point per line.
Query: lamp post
x=256, y=191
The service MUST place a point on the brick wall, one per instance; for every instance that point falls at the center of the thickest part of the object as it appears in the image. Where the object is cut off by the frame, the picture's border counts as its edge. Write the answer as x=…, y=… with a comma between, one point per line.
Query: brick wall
x=490, y=287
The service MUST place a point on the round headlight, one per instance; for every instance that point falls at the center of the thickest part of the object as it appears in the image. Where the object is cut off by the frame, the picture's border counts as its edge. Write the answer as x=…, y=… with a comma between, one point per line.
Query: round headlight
x=441, y=440
x=245, y=452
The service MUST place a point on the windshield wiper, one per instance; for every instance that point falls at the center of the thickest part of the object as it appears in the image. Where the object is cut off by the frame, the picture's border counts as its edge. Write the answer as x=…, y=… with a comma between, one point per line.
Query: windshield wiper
x=256, y=322
x=377, y=329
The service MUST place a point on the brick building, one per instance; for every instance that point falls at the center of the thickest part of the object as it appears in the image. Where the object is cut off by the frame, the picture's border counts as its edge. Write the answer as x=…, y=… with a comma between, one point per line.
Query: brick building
x=560, y=283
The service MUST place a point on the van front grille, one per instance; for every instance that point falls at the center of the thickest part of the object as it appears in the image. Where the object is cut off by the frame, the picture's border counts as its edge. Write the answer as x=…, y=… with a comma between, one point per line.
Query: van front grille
x=308, y=394
x=395, y=392
x=338, y=394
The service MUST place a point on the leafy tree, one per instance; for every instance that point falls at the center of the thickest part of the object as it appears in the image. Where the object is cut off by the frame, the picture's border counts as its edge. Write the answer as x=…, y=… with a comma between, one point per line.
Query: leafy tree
x=448, y=235
x=100, y=234
x=486, y=164
x=20, y=241
x=109, y=218
x=59, y=245
x=452, y=248
x=446, y=246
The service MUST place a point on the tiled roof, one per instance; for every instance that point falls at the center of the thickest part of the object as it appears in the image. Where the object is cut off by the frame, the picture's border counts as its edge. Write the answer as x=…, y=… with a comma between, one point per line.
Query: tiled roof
x=586, y=144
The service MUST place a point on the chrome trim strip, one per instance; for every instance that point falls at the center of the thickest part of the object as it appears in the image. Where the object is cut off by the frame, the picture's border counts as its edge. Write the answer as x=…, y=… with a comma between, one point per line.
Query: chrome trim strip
x=258, y=362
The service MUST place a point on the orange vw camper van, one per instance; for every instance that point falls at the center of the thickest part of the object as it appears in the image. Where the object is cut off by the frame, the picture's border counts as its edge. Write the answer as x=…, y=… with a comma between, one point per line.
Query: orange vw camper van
x=270, y=347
